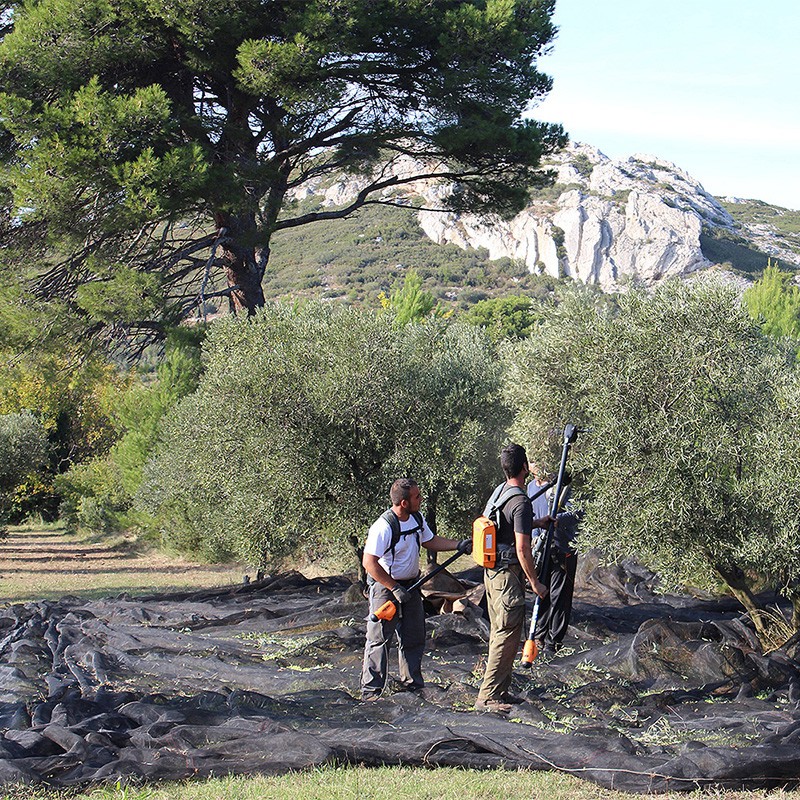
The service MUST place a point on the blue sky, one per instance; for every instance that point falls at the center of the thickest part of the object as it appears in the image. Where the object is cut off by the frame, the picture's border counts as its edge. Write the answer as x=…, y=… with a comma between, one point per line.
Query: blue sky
x=712, y=86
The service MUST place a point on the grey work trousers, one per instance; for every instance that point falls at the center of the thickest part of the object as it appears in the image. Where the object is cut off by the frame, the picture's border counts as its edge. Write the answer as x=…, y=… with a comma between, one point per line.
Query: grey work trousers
x=505, y=596
x=409, y=625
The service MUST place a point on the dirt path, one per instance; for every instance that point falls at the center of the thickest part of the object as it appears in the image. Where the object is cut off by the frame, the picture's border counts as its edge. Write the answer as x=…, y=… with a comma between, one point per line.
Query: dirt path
x=38, y=564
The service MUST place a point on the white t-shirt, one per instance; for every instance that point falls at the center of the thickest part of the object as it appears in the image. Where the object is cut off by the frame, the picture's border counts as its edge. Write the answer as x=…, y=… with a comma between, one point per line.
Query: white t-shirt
x=404, y=563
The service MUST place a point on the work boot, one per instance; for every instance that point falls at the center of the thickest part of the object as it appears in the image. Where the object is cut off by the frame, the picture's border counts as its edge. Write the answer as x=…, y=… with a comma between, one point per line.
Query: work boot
x=409, y=687
x=493, y=706
x=430, y=694
x=546, y=650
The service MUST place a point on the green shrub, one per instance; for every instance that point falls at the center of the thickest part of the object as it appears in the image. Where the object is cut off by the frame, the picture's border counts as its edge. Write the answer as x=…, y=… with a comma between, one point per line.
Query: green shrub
x=774, y=300
x=583, y=164
x=304, y=417
x=511, y=317
x=97, y=494
x=93, y=497
x=23, y=453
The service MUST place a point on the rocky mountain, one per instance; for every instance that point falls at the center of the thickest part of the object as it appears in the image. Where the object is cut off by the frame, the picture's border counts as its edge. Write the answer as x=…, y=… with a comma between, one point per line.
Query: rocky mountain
x=610, y=222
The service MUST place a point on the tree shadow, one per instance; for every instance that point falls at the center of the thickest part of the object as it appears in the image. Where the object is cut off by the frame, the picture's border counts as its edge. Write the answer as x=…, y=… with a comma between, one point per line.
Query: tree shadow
x=100, y=570
x=96, y=555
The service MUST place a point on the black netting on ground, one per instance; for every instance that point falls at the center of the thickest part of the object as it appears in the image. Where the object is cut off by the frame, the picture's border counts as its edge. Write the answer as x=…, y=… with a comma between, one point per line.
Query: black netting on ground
x=649, y=694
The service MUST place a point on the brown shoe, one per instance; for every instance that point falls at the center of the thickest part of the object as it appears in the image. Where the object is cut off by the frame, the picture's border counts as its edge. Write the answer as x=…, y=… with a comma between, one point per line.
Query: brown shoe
x=494, y=706
x=370, y=698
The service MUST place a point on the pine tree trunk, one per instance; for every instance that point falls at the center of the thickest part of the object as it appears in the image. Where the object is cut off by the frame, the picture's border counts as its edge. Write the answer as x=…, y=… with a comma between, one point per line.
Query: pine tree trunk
x=240, y=259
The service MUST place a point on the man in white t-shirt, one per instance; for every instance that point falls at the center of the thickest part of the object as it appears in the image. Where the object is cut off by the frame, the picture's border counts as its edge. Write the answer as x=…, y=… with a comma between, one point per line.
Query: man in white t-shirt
x=391, y=559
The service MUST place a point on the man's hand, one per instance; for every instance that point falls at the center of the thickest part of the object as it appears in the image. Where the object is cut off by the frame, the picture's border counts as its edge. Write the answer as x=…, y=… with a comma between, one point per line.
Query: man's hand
x=540, y=589
x=542, y=522
x=401, y=594
x=464, y=546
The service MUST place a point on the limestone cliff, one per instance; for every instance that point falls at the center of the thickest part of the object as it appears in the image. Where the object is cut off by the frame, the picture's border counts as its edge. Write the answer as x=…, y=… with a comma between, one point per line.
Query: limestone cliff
x=604, y=222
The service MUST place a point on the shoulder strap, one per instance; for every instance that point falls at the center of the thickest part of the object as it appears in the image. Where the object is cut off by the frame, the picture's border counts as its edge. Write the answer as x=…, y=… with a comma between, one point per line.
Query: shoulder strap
x=499, y=498
x=394, y=524
x=512, y=491
x=491, y=502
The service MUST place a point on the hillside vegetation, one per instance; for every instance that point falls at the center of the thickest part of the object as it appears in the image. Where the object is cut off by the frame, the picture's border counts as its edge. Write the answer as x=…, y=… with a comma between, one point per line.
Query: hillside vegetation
x=357, y=258
x=769, y=227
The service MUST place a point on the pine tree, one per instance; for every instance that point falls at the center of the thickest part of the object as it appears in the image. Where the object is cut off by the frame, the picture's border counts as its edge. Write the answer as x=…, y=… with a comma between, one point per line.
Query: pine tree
x=774, y=300
x=152, y=148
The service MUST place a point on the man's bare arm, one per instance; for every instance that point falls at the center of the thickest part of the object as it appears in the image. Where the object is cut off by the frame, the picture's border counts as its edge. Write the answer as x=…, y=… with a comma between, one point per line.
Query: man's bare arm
x=523, y=544
x=373, y=567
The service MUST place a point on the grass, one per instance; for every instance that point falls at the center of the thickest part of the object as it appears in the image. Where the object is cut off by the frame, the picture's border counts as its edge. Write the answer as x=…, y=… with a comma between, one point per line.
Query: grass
x=344, y=783
x=40, y=564
x=384, y=783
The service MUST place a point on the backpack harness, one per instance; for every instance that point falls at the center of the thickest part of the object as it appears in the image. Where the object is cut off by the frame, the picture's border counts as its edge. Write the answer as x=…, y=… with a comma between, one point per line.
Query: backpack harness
x=397, y=534
x=485, y=549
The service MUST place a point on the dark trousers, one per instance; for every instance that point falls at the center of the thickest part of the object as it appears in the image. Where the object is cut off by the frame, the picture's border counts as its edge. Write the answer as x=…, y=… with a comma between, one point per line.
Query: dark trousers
x=409, y=625
x=556, y=609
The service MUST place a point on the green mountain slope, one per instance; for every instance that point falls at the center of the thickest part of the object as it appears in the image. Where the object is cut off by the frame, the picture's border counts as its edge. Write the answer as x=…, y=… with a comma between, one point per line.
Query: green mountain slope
x=360, y=257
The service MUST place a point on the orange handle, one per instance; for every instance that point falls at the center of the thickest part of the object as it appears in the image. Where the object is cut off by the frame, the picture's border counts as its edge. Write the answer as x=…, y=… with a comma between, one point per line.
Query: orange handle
x=529, y=652
x=386, y=611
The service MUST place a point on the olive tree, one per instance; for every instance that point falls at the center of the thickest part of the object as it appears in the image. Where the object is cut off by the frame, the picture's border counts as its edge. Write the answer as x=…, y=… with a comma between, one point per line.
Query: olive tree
x=23, y=450
x=337, y=404
x=693, y=461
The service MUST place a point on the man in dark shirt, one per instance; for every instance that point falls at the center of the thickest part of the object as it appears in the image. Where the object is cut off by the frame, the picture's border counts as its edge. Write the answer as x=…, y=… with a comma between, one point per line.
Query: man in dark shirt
x=556, y=609
x=505, y=583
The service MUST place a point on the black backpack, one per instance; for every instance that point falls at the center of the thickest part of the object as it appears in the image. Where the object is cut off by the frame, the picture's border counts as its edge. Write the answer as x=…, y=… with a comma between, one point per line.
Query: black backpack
x=397, y=534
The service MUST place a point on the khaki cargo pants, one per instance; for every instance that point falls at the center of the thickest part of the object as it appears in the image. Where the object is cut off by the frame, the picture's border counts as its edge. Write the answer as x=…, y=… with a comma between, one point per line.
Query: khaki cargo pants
x=505, y=595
